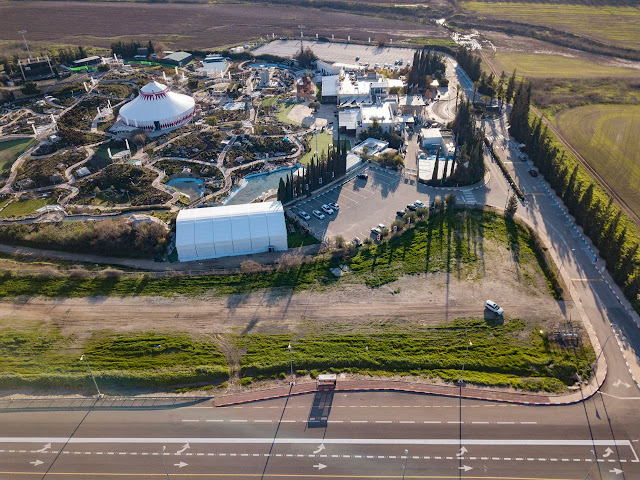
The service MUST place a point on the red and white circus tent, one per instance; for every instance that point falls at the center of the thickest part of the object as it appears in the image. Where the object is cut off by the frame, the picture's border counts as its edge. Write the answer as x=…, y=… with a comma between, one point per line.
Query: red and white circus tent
x=157, y=108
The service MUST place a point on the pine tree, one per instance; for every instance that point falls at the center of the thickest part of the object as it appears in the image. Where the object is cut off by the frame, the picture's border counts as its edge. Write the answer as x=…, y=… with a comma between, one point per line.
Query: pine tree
x=511, y=85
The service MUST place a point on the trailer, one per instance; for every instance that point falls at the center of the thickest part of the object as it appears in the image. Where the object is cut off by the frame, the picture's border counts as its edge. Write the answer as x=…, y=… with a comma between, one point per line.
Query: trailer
x=327, y=382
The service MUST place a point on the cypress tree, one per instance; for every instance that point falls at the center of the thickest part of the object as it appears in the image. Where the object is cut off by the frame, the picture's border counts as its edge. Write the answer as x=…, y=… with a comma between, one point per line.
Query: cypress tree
x=511, y=85
x=434, y=175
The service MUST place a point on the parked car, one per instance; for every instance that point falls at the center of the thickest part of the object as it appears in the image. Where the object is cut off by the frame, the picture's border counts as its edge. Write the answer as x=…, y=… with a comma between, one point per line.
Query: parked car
x=493, y=307
x=375, y=231
x=401, y=213
x=327, y=209
x=357, y=242
x=304, y=215
x=318, y=214
x=412, y=207
x=533, y=173
x=334, y=205
x=381, y=226
x=363, y=176
x=419, y=204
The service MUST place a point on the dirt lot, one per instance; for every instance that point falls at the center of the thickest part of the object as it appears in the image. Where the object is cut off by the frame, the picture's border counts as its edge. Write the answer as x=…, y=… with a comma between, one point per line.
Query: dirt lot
x=188, y=25
x=410, y=302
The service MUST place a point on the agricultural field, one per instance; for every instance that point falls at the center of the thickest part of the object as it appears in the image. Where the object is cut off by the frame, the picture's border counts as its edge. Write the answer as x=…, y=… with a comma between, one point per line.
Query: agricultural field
x=533, y=65
x=191, y=25
x=18, y=208
x=606, y=136
x=48, y=359
x=10, y=150
x=615, y=25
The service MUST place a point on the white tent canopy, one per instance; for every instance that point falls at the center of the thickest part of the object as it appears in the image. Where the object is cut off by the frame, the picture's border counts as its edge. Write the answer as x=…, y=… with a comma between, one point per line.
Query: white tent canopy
x=157, y=108
x=204, y=233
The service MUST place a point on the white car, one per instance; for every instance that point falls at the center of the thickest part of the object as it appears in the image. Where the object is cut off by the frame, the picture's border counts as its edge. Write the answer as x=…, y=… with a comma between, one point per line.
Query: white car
x=381, y=226
x=419, y=204
x=494, y=307
x=304, y=215
x=327, y=209
x=318, y=214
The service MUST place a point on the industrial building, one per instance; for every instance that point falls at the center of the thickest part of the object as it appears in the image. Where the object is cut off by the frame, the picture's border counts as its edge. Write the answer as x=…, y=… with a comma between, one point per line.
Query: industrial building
x=157, y=108
x=87, y=61
x=213, y=232
x=177, y=59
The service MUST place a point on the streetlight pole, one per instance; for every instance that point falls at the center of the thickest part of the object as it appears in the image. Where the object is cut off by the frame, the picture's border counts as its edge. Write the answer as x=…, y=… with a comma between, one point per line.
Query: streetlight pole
x=464, y=361
x=164, y=447
x=291, y=383
x=406, y=459
x=82, y=357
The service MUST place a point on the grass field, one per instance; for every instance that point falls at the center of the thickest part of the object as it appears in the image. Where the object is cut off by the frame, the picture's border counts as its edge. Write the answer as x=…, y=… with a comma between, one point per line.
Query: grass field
x=46, y=358
x=25, y=207
x=10, y=150
x=447, y=242
x=509, y=354
x=324, y=140
x=283, y=111
x=534, y=65
x=615, y=25
x=607, y=137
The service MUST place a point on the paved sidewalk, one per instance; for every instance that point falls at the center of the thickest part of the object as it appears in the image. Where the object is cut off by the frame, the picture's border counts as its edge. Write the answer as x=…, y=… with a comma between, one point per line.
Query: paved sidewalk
x=409, y=387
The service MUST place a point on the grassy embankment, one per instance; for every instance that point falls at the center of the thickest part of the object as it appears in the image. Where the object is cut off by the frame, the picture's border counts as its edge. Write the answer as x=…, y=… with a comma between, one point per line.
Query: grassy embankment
x=606, y=137
x=447, y=242
x=283, y=111
x=10, y=150
x=47, y=359
x=615, y=25
x=512, y=354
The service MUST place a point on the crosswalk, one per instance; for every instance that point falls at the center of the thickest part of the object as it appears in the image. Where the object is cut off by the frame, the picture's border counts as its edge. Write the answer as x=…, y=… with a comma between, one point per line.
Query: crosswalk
x=468, y=197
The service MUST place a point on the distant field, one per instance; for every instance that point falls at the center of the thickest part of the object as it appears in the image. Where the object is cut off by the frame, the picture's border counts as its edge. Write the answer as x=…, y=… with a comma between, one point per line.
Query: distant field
x=607, y=137
x=616, y=25
x=25, y=207
x=11, y=150
x=534, y=65
x=188, y=25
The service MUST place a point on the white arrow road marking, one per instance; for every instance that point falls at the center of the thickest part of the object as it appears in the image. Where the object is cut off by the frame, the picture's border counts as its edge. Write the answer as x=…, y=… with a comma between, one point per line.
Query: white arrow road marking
x=466, y=468
x=44, y=449
x=184, y=447
x=180, y=465
x=320, y=448
x=462, y=451
x=36, y=463
x=320, y=466
x=617, y=471
x=607, y=452
x=620, y=382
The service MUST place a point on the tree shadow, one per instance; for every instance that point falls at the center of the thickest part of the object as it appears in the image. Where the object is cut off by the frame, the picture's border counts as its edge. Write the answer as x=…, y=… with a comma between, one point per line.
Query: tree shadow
x=320, y=409
x=514, y=244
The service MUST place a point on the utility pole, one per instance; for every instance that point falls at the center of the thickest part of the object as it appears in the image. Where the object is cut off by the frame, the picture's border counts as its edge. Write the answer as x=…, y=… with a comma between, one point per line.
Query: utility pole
x=82, y=357
x=164, y=447
x=291, y=383
x=406, y=458
x=460, y=409
x=22, y=32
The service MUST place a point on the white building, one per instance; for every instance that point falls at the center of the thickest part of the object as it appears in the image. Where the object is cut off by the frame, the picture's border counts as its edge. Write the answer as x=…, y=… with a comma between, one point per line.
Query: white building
x=157, y=108
x=204, y=233
x=352, y=121
x=348, y=89
x=334, y=68
x=265, y=76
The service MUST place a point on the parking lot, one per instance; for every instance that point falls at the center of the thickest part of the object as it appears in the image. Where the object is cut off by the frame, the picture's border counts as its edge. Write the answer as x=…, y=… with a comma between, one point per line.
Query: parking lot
x=366, y=203
x=339, y=52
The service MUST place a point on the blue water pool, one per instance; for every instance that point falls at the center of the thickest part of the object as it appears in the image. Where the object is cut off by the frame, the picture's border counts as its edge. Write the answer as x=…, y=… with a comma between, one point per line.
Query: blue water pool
x=256, y=184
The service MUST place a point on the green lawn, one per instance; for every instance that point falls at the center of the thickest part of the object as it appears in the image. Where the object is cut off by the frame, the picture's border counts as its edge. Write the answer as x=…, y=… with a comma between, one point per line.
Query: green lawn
x=25, y=207
x=615, y=25
x=283, y=111
x=509, y=354
x=324, y=140
x=532, y=65
x=607, y=137
x=10, y=150
x=452, y=242
x=267, y=102
x=299, y=238
x=48, y=359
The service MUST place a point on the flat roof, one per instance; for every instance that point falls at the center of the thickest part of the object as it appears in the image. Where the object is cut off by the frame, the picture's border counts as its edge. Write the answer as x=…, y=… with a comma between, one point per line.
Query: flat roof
x=178, y=56
x=87, y=59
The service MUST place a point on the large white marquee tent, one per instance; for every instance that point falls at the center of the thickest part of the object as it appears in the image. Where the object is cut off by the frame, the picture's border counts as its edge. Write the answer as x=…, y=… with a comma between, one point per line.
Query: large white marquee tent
x=157, y=108
x=203, y=233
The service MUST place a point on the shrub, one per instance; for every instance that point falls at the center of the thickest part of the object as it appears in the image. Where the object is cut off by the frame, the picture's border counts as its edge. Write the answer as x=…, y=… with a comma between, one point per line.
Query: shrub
x=339, y=241
x=289, y=261
x=111, y=273
x=246, y=381
x=251, y=266
x=450, y=200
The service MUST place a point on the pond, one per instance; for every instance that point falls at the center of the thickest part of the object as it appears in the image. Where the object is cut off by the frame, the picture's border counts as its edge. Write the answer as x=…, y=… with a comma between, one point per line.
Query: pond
x=256, y=184
x=192, y=187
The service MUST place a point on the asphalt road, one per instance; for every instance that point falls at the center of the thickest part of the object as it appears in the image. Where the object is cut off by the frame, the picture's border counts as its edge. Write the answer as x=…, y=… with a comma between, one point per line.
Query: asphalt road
x=355, y=435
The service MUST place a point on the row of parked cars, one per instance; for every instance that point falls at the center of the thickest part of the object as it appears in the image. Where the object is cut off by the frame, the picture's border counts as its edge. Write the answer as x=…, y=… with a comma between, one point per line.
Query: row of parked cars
x=327, y=208
x=400, y=213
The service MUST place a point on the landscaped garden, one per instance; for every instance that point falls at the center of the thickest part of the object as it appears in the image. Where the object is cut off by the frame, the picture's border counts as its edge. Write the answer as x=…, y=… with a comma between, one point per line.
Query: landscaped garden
x=48, y=170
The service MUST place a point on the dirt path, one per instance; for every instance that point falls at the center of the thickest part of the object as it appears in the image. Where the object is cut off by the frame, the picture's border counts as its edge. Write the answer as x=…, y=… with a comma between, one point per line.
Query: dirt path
x=411, y=302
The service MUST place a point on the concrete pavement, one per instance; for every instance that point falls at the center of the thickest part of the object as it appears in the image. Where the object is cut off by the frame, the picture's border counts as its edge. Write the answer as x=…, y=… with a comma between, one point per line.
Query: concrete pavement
x=344, y=435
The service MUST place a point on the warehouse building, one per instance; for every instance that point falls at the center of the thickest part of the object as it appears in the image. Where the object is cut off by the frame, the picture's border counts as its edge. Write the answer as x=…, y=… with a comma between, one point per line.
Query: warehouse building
x=204, y=233
x=178, y=59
